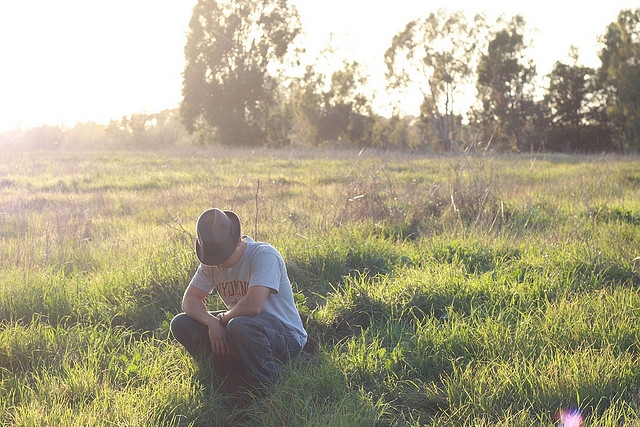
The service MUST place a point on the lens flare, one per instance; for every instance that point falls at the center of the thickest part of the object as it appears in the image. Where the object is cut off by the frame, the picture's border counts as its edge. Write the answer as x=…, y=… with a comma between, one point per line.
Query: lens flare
x=570, y=418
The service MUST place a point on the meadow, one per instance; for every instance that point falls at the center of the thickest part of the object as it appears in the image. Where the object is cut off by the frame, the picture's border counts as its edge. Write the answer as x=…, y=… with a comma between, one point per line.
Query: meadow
x=437, y=291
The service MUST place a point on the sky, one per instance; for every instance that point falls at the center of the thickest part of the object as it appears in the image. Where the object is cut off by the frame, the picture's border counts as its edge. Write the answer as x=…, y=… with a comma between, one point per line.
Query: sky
x=69, y=61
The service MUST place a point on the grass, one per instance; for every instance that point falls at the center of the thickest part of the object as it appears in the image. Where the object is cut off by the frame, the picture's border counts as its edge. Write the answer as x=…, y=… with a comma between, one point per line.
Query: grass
x=437, y=291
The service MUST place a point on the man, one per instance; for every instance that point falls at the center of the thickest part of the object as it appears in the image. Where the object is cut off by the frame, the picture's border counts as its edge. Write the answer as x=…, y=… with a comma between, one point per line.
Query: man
x=261, y=327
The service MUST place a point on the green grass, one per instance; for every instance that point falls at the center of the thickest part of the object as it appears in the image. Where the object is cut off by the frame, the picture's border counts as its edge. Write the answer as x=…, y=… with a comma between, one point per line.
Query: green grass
x=437, y=291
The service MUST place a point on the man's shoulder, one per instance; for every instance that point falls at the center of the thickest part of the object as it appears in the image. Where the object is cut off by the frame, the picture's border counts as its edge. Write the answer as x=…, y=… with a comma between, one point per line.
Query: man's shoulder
x=261, y=247
x=261, y=250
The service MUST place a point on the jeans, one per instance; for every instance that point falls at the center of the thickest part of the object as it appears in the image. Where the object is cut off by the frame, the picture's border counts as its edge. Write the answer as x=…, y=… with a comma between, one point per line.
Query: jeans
x=258, y=344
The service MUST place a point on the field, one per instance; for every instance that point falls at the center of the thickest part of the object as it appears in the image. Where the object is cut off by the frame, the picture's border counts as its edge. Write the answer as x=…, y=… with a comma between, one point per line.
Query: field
x=437, y=291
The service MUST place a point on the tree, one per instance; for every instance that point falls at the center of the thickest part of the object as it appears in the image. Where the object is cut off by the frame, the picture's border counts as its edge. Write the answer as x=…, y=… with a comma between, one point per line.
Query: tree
x=575, y=109
x=231, y=51
x=346, y=108
x=505, y=87
x=44, y=137
x=620, y=74
x=144, y=130
x=437, y=55
x=334, y=108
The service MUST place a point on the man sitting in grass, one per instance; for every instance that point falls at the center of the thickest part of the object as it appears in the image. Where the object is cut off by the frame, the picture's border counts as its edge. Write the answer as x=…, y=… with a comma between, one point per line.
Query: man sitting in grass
x=261, y=327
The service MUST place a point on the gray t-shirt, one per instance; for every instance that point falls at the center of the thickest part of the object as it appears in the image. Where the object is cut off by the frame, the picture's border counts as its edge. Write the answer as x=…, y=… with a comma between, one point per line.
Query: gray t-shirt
x=261, y=265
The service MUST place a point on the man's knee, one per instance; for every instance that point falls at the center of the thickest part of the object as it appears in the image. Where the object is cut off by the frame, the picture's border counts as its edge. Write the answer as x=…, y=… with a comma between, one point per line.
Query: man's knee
x=239, y=326
x=179, y=324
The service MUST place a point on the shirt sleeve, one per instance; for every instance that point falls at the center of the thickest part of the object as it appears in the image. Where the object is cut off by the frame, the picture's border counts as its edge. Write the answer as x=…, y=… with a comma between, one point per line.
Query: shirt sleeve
x=266, y=271
x=203, y=279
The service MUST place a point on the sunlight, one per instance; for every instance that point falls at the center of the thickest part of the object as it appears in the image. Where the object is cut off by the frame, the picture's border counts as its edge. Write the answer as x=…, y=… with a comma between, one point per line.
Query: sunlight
x=570, y=418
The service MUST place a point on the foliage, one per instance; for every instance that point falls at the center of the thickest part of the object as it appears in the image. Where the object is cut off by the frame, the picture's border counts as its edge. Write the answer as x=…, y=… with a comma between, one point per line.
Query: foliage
x=436, y=55
x=137, y=131
x=620, y=69
x=147, y=130
x=505, y=85
x=576, y=109
x=231, y=52
x=331, y=108
x=568, y=90
x=240, y=87
x=396, y=131
x=40, y=138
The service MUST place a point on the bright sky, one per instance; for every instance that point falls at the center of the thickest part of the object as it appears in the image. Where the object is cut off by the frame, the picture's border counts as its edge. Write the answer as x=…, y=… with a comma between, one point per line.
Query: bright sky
x=69, y=61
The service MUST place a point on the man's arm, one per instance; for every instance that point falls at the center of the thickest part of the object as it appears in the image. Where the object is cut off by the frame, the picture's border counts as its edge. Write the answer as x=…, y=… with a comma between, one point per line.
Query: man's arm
x=193, y=304
x=249, y=305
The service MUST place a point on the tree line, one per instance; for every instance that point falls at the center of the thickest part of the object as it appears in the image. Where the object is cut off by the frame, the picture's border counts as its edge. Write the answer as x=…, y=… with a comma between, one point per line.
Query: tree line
x=238, y=88
x=231, y=95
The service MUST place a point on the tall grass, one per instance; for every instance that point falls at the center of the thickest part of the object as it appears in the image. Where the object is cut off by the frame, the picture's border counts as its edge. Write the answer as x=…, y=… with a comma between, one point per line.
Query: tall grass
x=437, y=291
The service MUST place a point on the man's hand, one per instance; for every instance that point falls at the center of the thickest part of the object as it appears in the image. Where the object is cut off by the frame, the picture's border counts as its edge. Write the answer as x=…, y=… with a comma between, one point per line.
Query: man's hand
x=193, y=303
x=216, y=336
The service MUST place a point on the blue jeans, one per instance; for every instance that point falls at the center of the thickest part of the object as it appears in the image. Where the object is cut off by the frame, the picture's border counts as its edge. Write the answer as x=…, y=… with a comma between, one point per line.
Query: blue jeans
x=258, y=344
